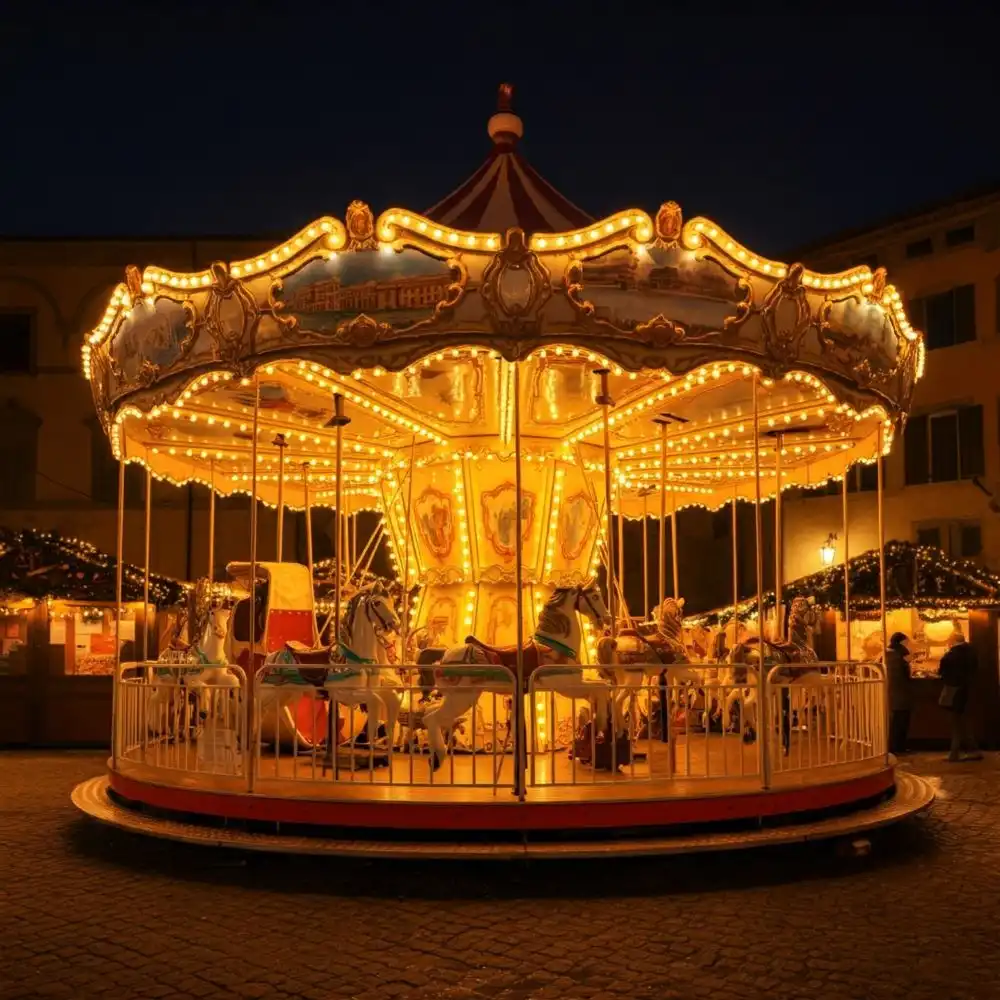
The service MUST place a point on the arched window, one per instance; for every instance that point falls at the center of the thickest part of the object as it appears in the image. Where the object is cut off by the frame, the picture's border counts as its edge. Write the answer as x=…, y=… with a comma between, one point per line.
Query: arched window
x=104, y=472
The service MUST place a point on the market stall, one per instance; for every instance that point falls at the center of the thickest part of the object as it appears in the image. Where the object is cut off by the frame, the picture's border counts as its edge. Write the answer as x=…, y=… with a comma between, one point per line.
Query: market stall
x=60, y=634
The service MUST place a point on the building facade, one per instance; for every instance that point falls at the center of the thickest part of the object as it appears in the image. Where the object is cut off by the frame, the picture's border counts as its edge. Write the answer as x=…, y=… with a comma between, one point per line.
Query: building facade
x=58, y=472
x=946, y=262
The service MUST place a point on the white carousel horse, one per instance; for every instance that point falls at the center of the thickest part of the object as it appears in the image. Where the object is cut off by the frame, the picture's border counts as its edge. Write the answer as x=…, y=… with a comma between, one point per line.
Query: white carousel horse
x=198, y=669
x=554, y=650
x=343, y=670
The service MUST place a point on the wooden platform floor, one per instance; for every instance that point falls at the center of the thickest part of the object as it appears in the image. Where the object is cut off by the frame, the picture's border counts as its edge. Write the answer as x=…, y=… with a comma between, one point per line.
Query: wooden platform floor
x=702, y=766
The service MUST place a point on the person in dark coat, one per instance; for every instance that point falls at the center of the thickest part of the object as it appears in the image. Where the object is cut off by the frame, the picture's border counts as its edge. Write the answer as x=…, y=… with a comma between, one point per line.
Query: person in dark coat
x=957, y=671
x=900, y=683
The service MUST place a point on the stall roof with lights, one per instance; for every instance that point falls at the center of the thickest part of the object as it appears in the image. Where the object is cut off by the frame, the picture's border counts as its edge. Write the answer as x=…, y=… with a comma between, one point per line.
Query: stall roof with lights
x=917, y=576
x=418, y=319
x=38, y=564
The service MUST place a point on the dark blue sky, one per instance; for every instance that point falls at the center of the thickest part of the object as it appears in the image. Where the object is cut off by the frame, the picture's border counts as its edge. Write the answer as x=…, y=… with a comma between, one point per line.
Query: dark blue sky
x=255, y=118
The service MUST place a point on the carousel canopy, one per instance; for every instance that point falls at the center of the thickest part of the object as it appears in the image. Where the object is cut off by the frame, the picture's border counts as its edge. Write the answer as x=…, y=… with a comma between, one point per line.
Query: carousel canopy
x=43, y=564
x=451, y=350
x=506, y=191
x=917, y=576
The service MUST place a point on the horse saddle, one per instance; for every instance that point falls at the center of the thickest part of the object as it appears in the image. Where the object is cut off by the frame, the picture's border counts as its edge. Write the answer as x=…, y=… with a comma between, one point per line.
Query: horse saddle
x=663, y=650
x=308, y=654
x=506, y=656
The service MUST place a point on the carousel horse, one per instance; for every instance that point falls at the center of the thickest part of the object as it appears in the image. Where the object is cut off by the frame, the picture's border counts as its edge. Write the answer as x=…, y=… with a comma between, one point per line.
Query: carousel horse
x=554, y=649
x=343, y=670
x=198, y=669
x=640, y=653
x=755, y=653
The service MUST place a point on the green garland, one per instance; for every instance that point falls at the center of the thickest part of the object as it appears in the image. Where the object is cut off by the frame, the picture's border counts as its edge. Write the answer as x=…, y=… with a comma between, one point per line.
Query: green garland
x=43, y=564
x=917, y=576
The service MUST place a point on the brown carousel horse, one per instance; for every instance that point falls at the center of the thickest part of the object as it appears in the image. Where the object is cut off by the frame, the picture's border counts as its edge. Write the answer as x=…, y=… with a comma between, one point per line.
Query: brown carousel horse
x=643, y=651
x=747, y=661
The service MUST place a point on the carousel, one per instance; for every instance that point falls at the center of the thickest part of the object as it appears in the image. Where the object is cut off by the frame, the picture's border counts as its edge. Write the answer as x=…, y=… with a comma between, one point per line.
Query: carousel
x=505, y=383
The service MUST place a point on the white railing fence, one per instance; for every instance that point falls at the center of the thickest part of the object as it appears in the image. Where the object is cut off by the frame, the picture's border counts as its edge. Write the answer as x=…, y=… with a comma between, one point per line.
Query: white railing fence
x=383, y=719
x=380, y=725
x=182, y=717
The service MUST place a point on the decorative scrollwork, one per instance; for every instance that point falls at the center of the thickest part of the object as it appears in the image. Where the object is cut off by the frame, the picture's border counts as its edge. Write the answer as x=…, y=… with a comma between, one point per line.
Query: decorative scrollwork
x=360, y=225
x=785, y=317
x=669, y=222
x=516, y=285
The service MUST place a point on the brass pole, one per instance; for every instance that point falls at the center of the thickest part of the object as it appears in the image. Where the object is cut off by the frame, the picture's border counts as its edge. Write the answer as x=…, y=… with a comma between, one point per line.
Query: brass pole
x=308, y=512
x=605, y=402
x=404, y=631
x=339, y=421
x=675, y=566
x=621, y=554
x=252, y=662
x=518, y=699
x=663, y=512
x=736, y=565
x=211, y=521
x=847, y=572
x=779, y=569
x=881, y=572
x=763, y=736
x=280, y=443
x=145, y=562
x=645, y=555
x=118, y=606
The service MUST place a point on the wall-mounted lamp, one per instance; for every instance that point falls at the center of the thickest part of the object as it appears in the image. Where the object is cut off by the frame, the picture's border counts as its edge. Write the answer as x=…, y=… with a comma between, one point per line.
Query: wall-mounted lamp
x=828, y=550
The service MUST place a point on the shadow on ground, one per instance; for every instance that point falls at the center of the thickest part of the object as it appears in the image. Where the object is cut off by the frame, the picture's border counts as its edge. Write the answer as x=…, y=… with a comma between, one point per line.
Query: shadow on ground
x=508, y=879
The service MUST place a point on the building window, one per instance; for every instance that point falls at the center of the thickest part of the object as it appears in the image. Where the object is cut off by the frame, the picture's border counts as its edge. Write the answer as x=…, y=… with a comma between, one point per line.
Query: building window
x=17, y=329
x=920, y=248
x=861, y=478
x=944, y=447
x=957, y=539
x=947, y=319
x=104, y=473
x=18, y=455
x=957, y=237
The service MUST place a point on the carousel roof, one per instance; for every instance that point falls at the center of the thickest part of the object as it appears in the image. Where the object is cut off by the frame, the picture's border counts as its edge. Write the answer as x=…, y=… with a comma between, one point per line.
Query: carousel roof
x=506, y=190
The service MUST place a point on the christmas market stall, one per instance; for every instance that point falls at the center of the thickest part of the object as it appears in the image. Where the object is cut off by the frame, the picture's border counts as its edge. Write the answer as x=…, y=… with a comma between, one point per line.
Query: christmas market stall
x=929, y=597
x=58, y=605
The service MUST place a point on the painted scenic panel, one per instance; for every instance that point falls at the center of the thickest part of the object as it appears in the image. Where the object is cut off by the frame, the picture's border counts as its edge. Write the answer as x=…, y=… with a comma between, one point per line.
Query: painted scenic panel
x=628, y=288
x=151, y=333
x=395, y=288
x=854, y=325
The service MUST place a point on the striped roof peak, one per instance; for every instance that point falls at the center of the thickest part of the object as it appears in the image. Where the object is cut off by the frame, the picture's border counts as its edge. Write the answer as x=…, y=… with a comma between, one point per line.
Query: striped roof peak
x=506, y=191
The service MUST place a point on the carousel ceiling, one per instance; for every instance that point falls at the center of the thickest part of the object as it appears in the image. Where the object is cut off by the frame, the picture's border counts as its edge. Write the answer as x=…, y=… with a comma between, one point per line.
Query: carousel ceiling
x=445, y=341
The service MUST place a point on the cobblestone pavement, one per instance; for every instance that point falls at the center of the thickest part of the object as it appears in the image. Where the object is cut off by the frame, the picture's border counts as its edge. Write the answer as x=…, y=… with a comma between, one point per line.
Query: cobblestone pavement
x=86, y=911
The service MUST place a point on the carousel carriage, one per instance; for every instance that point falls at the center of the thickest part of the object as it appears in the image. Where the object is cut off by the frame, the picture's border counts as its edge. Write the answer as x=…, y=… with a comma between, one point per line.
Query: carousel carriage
x=511, y=387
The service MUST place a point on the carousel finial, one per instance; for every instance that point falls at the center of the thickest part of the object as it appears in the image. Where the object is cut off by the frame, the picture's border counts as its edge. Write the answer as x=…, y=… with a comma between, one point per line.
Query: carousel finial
x=505, y=128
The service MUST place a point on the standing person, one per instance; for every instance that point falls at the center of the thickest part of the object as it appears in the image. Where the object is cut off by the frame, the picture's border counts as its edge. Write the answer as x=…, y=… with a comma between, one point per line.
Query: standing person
x=957, y=670
x=900, y=683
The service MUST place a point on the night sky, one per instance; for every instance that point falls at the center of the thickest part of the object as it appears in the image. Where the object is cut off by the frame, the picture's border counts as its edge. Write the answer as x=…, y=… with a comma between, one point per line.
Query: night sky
x=247, y=119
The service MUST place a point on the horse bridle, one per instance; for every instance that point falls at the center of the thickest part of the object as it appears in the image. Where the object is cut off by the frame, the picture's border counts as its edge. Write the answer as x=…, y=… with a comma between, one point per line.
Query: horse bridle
x=585, y=595
x=374, y=618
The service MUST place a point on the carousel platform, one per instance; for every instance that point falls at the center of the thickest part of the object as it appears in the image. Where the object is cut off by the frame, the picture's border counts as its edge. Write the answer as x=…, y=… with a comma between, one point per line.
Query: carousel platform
x=624, y=819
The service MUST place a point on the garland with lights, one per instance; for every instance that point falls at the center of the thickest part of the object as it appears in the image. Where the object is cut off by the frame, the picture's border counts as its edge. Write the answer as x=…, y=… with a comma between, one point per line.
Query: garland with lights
x=916, y=576
x=43, y=564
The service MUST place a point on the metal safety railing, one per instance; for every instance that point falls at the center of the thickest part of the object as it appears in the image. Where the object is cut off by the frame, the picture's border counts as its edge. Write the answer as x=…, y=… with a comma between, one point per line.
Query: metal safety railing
x=385, y=725
x=825, y=714
x=454, y=726
x=181, y=717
